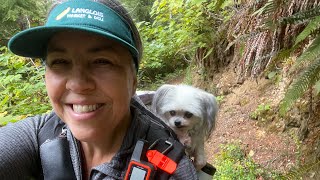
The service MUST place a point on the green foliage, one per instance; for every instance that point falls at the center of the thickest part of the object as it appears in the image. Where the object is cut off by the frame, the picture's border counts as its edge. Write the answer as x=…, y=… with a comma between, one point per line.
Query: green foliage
x=16, y=15
x=299, y=172
x=312, y=27
x=311, y=74
x=310, y=54
x=6, y=119
x=139, y=9
x=188, y=75
x=22, y=89
x=177, y=30
x=301, y=16
x=232, y=163
x=306, y=79
x=269, y=8
x=261, y=110
x=220, y=99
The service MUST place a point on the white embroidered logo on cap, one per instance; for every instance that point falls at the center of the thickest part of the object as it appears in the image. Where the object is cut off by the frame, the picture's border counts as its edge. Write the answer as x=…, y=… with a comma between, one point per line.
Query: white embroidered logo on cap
x=61, y=15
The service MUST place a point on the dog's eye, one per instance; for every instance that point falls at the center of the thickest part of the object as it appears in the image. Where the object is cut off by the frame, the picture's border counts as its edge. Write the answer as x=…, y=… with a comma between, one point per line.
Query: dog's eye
x=172, y=113
x=188, y=114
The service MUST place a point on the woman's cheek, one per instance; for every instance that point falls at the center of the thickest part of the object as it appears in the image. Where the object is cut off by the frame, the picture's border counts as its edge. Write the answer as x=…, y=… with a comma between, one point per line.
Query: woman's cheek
x=55, y=86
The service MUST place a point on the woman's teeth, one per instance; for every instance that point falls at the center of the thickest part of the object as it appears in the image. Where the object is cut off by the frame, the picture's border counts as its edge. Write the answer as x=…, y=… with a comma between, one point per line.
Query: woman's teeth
x=85, y=108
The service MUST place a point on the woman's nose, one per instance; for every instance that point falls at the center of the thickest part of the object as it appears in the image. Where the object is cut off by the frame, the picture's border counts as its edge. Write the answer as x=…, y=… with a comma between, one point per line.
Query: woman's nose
x=80, y=81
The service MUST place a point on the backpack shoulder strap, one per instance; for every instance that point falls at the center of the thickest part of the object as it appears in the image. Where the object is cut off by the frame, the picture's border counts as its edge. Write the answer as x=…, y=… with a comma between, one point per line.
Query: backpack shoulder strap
x=160, y=135
x=51, y=129
x=54, y=151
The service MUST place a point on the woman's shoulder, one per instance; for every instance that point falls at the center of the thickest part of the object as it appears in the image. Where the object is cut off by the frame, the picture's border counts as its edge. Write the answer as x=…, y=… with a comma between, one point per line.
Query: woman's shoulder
x=40, y=125
x=43, y=120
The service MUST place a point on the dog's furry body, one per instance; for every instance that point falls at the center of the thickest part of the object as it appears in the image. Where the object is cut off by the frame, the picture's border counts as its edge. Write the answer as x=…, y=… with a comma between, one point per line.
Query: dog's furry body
x=191, y=113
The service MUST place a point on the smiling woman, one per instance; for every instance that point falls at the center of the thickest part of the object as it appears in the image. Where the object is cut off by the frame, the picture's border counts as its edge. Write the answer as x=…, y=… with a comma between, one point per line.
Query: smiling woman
x=92, y=51
x=82, y=75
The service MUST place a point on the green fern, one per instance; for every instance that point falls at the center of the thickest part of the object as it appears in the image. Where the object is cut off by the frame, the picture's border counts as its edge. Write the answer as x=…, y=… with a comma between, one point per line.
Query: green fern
x=310, y=54
x=313, y=26
x=219, y=4
x=307, y=79
x=302, y=16
x=269, y=11
x=296, y=173
x=269, y=8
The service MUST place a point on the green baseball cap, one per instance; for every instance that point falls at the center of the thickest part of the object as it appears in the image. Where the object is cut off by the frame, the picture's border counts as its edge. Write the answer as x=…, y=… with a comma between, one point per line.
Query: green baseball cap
x=79, y=15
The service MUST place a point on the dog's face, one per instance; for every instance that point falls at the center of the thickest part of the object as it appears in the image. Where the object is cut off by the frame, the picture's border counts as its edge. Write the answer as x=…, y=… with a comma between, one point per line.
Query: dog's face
x=184, y=108
x=182, y=115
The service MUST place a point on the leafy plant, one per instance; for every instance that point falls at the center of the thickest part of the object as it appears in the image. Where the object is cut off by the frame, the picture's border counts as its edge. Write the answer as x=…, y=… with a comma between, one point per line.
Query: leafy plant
x=299, y=172
x=220, y=99
x=311, y=75
x=16, y=15
x=261, y=109
x=22, y=89
x=301, y=16
x=6, y=119
x=139, y=9
x=232, y=163
x=177, y=31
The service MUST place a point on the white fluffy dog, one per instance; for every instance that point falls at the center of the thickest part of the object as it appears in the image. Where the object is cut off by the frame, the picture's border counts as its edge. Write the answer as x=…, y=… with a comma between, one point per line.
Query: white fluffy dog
x=191, y=113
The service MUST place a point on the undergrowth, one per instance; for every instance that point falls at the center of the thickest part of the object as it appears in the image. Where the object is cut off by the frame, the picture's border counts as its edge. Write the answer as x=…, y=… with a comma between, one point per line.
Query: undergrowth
x=157, y=82
x=233, y=163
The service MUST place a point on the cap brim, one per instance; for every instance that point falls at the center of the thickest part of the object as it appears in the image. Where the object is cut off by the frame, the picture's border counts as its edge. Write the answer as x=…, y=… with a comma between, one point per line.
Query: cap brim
x=33, y=42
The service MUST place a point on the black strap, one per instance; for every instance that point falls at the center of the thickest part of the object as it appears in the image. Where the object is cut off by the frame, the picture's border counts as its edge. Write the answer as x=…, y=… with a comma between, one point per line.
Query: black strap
x=51, y=129
x=56, y=160
x=161, y=133
x=55, y=155
x=155, y=121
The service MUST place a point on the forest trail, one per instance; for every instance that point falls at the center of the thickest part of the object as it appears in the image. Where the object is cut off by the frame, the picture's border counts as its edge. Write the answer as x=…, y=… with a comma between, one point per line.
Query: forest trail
x=266, y=144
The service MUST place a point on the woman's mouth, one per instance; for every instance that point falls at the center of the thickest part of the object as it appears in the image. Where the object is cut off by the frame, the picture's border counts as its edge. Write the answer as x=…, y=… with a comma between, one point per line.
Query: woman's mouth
x=85, y=108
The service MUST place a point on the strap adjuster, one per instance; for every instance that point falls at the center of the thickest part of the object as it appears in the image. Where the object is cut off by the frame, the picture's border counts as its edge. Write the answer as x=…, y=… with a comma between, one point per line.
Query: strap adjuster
x=160, y=160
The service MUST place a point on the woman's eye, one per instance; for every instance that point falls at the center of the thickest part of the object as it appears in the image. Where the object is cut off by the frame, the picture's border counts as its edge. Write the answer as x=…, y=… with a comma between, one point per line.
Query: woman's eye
x=58, y=62
x=103, y=61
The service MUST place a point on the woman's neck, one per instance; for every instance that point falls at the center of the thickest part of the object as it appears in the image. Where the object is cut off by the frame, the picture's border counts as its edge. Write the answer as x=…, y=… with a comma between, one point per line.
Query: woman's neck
x=103, y=149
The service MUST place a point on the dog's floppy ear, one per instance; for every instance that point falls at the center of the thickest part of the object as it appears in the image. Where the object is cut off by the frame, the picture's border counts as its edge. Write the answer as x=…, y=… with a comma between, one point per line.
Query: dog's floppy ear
x=159, y=96
x=211, y=110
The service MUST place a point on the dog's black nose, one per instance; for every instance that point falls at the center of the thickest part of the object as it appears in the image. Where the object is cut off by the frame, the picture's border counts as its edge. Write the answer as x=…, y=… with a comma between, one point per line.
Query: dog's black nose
x=177, y=123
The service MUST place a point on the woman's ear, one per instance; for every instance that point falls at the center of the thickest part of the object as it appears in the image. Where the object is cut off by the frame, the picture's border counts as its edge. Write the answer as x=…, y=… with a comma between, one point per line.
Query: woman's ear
x=134, y=85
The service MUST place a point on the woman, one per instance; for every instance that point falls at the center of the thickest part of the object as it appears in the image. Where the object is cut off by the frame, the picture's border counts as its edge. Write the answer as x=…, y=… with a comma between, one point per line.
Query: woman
x=92, y=51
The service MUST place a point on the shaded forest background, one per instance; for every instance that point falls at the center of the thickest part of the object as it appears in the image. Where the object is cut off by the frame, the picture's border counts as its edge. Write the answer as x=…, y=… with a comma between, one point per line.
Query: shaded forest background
x=198, y=39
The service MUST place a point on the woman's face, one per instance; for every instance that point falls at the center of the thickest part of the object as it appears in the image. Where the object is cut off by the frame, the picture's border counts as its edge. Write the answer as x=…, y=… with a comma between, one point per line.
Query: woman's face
x=90, y=81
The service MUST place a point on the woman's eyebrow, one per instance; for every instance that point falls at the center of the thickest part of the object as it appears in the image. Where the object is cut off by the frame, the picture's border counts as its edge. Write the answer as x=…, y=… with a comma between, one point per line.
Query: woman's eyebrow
x=52, y=49
x=102, y=48
x=106, y=48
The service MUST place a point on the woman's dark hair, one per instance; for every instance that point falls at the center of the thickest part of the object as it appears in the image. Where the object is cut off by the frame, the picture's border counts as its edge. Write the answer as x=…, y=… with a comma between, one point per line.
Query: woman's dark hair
x=118, y=7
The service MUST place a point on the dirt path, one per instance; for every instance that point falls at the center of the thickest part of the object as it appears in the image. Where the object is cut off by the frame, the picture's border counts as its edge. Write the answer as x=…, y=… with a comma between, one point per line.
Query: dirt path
x=269, y=148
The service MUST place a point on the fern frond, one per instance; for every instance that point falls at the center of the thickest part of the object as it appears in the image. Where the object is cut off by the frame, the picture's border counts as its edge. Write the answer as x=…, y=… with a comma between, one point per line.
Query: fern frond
x=307, y=79
x=219, y=4
x=311, y=53
x=268, y=8
x=300, y=171
x=309, y=29
x=301, y=16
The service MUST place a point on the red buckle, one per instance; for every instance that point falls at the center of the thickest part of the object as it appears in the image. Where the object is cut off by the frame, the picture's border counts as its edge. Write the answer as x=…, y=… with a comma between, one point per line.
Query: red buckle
x=161, y=161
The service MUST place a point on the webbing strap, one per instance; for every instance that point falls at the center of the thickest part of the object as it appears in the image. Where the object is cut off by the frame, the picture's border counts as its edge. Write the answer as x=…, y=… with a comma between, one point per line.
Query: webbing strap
x=161, y=133
x=56, y=160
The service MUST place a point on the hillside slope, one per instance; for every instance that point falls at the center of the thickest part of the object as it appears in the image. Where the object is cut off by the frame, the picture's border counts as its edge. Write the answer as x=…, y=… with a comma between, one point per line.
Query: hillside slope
x=270, y=141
